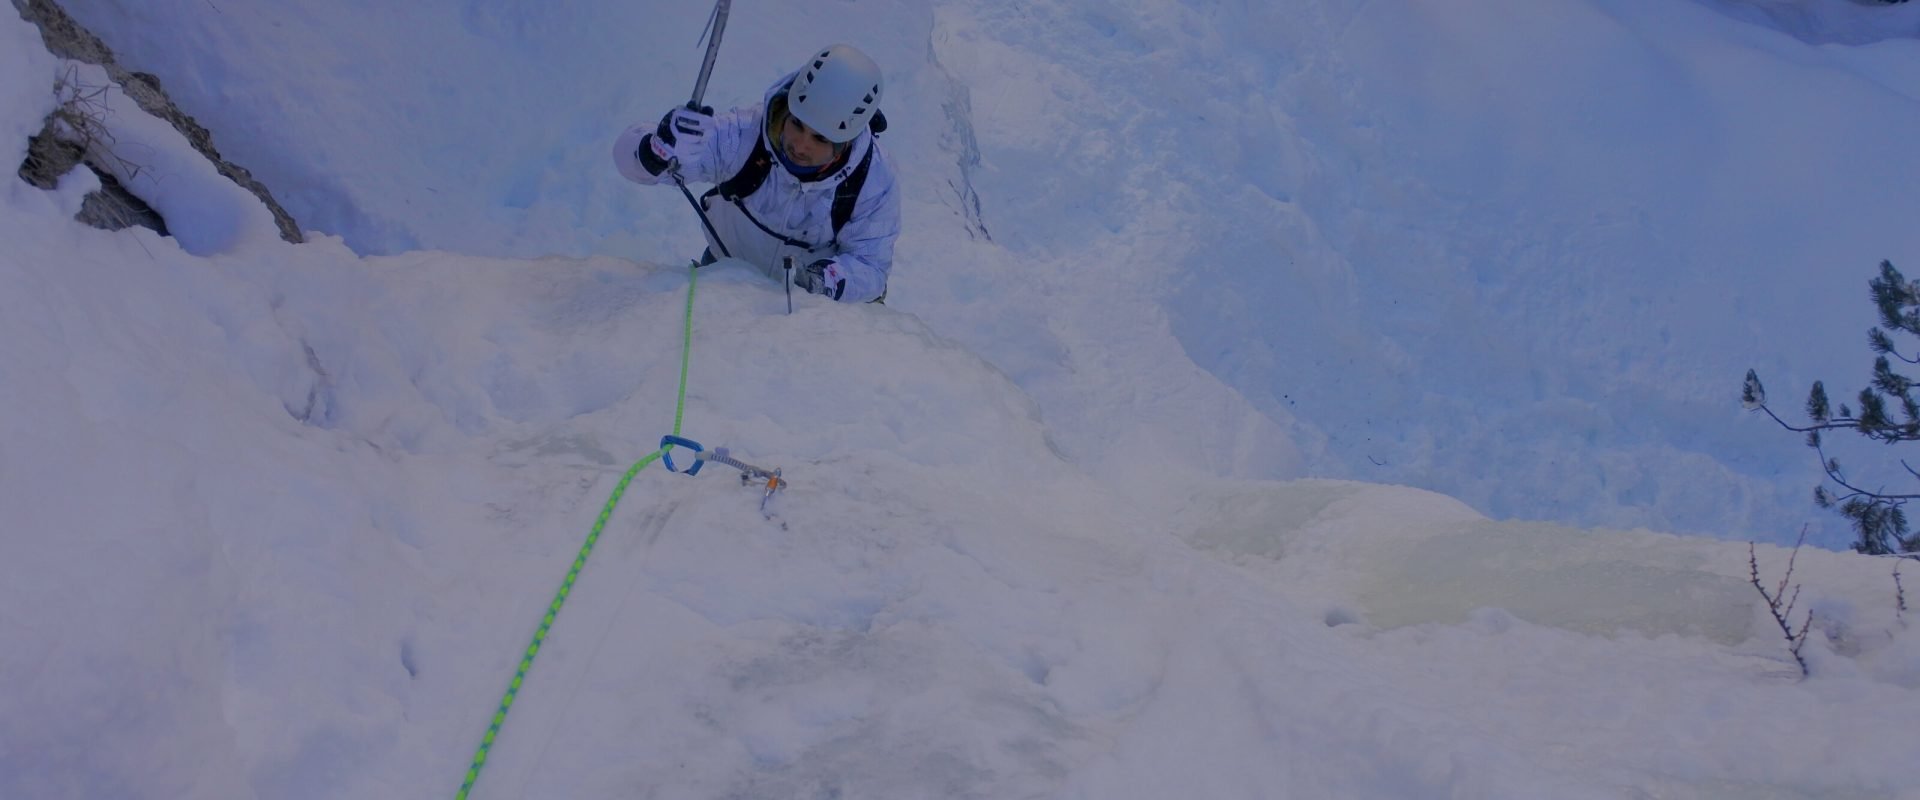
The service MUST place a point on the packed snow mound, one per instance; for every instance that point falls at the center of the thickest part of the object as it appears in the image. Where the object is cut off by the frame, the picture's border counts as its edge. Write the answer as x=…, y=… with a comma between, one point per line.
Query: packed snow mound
x=343, y=488
x=1407, y=557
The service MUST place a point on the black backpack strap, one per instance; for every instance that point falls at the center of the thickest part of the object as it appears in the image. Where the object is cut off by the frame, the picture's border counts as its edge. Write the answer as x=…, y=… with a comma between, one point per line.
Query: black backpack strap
x=848, y=192
x=748, y=179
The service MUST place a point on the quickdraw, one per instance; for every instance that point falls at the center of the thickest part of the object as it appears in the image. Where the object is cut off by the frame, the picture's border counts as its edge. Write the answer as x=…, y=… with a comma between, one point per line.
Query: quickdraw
x=748, y=472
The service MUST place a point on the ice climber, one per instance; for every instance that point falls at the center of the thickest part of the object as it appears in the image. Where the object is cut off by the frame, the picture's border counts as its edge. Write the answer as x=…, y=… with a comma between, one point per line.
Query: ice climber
x=830, y=203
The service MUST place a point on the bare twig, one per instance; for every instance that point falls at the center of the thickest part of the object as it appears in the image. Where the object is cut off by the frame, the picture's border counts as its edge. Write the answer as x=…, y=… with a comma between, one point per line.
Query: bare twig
x=1899, y=593
x=81, y=118
x=1780, y=602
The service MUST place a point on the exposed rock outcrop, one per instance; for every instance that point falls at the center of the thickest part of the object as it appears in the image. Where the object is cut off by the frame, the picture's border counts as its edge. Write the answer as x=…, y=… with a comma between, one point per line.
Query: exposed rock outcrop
x=49, y=157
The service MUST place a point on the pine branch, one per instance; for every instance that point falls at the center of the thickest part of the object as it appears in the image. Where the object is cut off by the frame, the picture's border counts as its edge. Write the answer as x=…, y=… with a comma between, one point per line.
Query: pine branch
x=1832, y=468
x=1877, y=516
x=1846, y=423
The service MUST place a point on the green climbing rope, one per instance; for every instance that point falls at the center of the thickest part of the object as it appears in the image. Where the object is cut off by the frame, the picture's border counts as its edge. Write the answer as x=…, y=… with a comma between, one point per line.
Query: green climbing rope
x=580, y=561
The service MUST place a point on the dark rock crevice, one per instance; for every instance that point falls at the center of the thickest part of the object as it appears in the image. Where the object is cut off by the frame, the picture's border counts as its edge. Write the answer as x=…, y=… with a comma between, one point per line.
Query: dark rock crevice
x=51, y=155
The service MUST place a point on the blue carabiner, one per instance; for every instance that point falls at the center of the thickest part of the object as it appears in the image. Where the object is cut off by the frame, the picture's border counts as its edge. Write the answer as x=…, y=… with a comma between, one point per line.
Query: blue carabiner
x=667, y=443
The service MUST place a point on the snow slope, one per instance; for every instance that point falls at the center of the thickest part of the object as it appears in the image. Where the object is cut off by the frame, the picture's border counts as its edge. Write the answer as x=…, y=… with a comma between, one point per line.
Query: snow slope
x=1519, y=253
x=280, y=519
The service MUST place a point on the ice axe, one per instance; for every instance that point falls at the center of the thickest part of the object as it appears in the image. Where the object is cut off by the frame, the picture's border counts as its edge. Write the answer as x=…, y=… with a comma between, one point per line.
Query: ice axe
x=716, y=25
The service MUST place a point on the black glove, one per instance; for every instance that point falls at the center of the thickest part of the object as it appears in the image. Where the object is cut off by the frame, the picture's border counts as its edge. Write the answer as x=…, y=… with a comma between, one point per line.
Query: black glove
x=823, y=277
x=681, y=131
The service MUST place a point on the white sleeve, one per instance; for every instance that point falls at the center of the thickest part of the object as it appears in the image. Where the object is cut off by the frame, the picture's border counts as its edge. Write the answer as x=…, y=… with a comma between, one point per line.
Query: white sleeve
x=717, y=157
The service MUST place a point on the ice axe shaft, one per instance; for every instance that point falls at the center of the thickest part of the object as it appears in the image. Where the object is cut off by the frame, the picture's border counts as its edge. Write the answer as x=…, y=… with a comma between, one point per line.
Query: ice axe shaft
x=716, y=25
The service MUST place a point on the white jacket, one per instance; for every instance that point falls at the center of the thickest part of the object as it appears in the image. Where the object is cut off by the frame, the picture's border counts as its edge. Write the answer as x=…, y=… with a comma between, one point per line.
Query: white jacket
x=797, y=209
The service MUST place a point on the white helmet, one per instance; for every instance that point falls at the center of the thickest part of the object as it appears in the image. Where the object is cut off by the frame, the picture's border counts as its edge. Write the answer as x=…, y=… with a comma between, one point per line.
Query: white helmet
x=836, y=93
